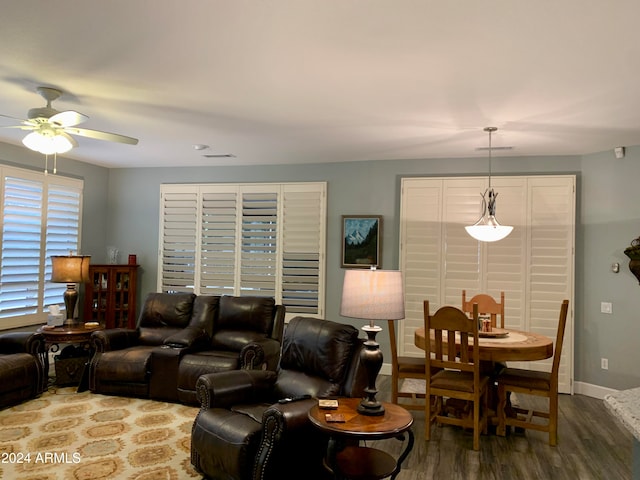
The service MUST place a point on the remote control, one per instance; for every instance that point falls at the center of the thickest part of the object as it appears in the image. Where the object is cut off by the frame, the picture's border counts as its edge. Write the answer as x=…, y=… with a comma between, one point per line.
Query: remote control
x=293, y=399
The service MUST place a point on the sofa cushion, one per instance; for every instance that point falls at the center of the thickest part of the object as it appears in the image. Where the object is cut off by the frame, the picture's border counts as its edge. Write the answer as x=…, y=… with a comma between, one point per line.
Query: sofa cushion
x=130, y=365
x=166, y=310
x=205, y=310
x=210, y=361
x=318, y=348
x=235, y=340
x=17, y=370
x=246, y=313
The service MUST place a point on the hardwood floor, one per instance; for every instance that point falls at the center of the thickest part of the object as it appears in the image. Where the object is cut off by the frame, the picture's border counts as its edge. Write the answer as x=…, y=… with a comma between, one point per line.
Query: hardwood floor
x=592, y=444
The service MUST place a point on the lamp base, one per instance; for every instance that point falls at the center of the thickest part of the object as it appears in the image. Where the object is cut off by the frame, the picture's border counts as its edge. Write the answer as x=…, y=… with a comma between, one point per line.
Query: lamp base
x=70, y=299
x=371, y=358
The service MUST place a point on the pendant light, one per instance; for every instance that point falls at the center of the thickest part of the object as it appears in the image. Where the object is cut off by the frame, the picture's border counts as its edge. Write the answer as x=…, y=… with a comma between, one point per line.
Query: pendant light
x=487, y=228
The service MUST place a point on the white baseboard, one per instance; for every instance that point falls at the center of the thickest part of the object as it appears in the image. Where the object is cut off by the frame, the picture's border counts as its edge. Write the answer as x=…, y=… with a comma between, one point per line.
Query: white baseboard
x=591, y=390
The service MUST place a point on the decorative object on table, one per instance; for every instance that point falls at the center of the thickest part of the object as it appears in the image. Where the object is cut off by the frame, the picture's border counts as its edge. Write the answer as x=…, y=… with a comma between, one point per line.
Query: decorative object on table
x=361, y=241
x=372, y=295
x=55, y=317
x=633, y=252
x=112, y=255
x=487, y=228
x=70, y=269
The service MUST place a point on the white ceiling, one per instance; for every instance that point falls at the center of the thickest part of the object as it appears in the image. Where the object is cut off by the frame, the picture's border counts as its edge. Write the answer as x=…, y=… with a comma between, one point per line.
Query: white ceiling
x=308, y=81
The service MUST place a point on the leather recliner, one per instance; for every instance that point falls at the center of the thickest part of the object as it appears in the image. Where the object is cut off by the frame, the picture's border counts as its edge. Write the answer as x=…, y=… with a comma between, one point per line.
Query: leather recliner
x=23, y=367
x=242, y=432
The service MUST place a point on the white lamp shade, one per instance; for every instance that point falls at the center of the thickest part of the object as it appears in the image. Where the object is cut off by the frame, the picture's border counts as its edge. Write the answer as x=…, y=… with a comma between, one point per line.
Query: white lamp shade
x=373, y=295
x=48, y=144
x=70, y=269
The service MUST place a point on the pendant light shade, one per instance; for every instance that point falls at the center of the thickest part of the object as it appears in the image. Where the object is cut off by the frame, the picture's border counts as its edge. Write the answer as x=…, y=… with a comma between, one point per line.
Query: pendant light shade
x=487, y=228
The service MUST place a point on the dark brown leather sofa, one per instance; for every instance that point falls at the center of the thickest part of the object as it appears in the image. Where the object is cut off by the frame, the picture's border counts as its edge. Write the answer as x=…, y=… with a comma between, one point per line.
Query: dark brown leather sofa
x=23, y=367
x=182, y=336
x=242, y=432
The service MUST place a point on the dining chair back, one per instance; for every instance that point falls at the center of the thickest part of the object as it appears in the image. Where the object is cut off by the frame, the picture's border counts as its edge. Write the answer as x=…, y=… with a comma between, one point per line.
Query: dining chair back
x=454, y=348
x=404, y=367
x=487, y=305
x=542, y=384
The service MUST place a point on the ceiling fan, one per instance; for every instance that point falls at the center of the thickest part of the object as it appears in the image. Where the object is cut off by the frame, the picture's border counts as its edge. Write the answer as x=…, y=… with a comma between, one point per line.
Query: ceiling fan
x=51, y=130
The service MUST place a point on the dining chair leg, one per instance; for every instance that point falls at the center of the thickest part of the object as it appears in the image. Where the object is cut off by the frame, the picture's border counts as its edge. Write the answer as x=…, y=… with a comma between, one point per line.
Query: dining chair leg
x=553, y=419
x=502, y=405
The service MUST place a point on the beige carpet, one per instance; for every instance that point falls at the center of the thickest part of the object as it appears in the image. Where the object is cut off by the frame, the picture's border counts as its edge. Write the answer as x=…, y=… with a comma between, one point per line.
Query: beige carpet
x=64, y=435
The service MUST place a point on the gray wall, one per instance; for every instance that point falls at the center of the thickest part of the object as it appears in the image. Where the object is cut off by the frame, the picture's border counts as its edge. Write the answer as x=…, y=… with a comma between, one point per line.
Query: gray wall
x=608, y=218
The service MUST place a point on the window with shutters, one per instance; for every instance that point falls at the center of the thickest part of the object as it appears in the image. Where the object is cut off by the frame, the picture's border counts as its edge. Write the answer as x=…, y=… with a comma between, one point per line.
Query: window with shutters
x=41, y=217
x=534, y=265
x=245, y=239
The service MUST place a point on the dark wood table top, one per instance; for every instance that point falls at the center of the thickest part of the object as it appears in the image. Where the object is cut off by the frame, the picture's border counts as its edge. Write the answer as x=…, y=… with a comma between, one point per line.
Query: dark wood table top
x=395, y=420
x=73, y=334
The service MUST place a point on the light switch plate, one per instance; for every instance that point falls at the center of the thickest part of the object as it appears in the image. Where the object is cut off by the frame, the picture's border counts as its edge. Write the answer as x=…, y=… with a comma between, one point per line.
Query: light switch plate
x=605, y=307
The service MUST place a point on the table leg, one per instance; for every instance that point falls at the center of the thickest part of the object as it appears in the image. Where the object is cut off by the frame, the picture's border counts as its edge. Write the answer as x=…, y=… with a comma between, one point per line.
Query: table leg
x=405, y=453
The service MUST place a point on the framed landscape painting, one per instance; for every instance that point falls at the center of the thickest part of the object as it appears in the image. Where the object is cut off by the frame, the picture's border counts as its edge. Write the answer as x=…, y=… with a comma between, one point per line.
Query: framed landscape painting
x=361, y=238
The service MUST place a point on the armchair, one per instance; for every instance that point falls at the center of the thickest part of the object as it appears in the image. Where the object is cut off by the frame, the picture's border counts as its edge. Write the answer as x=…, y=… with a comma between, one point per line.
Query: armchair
x=242, y=432
x=23, y=367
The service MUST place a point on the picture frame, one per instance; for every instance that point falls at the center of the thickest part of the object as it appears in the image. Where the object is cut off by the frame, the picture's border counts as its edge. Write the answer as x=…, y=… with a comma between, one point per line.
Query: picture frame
x=361, y=241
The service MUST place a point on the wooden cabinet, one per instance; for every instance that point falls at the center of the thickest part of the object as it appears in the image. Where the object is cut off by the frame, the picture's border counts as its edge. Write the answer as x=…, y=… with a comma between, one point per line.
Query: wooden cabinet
x=110, y=295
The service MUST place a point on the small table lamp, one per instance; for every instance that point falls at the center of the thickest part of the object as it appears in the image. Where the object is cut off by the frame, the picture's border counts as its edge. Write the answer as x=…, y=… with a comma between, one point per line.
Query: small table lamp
x=374, y=295
x=70, y=269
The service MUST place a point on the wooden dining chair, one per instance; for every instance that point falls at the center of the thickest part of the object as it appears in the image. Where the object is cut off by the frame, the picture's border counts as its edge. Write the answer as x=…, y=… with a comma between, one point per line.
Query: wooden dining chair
x=487, y=305
x=403, y=367
x=542, y=384
x=456, y=351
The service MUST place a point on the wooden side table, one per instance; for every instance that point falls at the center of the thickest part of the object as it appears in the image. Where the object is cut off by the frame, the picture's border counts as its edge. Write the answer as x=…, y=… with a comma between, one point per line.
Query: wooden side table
x=74, y=335
x=345, y=457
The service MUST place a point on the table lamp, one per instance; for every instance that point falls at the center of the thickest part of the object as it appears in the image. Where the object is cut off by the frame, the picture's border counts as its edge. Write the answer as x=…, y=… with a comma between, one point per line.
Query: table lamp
x=70, y=269
x=373, y=295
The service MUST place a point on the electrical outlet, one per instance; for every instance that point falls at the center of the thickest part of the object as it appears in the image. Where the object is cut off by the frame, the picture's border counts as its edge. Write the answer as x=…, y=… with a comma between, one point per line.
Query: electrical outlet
x=606, y=307
x=604, y=363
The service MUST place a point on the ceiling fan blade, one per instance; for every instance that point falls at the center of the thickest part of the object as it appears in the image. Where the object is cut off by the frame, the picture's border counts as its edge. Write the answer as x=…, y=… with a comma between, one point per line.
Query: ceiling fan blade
x=109, y=137
x=70, y=138
x=68, y=118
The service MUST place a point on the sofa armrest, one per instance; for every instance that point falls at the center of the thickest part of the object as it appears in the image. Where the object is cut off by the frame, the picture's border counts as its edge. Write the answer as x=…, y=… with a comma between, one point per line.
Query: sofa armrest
x=280, y=419
x=192, y=338
x=224, y=389
x=22, y=342
x=114, y=339
x=260, y=354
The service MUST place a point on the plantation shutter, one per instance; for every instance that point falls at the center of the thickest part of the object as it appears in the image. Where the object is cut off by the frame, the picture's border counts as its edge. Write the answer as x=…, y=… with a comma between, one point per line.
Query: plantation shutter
x=303, y=244
x=533, y=265
x=219, y=238
x=20, y=276
x=259, y=241
x=64, y=204
x=253, y=239
x=40, y=217
x=179, y=226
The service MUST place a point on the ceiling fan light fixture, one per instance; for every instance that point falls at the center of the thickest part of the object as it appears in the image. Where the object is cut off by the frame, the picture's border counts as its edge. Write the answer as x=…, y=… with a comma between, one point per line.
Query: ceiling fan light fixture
x=487, y=228
x=48, y=144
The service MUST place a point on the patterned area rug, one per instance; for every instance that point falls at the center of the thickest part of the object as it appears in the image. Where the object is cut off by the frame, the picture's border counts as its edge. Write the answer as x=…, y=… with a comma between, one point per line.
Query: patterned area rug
x=64, y=435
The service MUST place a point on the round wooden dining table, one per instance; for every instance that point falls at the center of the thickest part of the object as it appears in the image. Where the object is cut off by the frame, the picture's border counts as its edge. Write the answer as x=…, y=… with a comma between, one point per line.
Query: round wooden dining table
x=514, y=346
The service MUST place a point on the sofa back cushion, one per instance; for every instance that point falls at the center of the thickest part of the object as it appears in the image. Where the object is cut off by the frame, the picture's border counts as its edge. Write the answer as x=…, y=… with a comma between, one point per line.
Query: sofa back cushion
x=318, y=348
x=164, y=314
x=246, y=313
x=205, y=311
